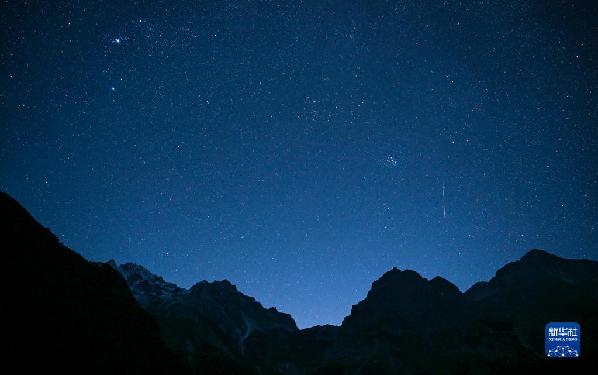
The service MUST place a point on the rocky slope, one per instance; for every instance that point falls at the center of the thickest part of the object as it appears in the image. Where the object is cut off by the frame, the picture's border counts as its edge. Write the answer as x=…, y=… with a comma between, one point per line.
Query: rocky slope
x=209, y=323
x=64, y=314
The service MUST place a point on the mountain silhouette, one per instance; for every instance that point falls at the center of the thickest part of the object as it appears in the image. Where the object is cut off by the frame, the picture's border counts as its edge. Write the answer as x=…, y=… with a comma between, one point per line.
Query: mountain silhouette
x=540, y=288
x=401, y=300
x=66, y=314
x=209, y=323
x=406, y=323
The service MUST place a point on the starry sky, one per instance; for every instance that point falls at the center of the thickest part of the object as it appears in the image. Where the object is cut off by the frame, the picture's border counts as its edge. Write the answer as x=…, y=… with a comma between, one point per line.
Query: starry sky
x=300, y=149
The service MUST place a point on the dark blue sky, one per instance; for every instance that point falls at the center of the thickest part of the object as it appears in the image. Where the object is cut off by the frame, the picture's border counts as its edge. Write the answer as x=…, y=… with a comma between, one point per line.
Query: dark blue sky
x=301, y=149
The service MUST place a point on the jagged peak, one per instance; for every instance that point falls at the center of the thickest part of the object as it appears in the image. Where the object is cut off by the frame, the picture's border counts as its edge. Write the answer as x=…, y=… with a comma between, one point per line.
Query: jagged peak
x=225, y=294
x=217, y=284
x=395, y=276
x=134, y=269
x=146, y=285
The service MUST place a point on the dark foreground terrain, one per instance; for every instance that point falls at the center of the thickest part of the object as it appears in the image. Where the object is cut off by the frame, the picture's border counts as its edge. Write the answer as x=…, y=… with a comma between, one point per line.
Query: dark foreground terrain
x=64, y=314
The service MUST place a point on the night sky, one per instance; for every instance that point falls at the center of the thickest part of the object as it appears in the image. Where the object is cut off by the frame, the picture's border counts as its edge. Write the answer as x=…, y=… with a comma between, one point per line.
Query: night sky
x=301, y=149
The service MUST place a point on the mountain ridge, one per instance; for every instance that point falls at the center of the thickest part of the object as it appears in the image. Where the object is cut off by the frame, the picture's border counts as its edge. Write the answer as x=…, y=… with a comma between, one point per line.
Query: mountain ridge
x=405, y=324
x=530, y=255
x=441, y=285
x=400, y=300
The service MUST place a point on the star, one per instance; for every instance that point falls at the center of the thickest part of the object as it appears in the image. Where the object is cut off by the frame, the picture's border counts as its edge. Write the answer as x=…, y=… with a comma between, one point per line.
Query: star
x=391, y=161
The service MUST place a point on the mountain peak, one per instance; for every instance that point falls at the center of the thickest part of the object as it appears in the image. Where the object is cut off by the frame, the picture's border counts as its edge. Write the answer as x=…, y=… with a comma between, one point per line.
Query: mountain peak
x=400, y=299
x=216, y=308
x=221, y=284
x=146, y=286
x=537, y=254
x=395, y=275
x=535, y=270
x=409, y=278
